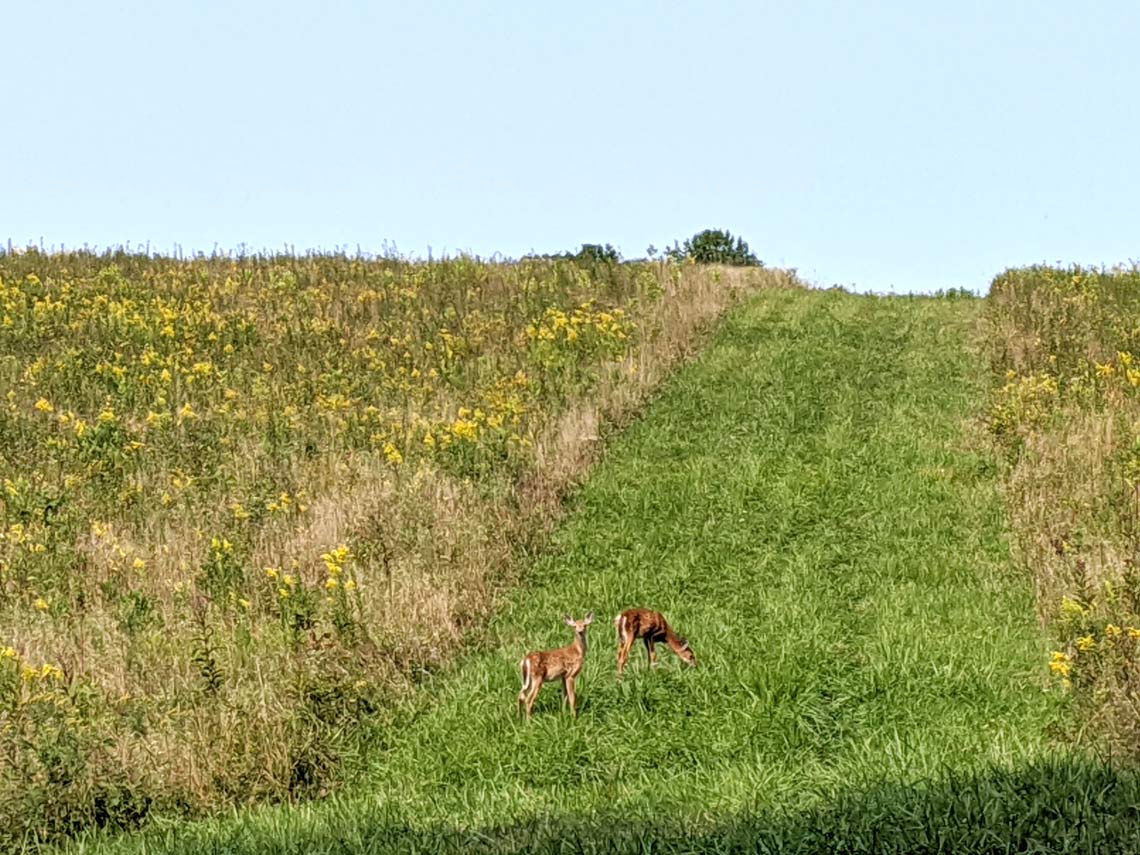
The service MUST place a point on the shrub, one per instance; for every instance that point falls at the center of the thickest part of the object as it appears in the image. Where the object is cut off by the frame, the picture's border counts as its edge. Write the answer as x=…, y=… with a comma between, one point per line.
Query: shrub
x=715, y=246
x=596, y=252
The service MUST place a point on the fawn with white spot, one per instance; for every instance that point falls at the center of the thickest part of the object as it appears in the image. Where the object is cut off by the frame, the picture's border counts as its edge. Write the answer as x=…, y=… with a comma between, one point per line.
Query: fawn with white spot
x=651, y=627
x=562, y=663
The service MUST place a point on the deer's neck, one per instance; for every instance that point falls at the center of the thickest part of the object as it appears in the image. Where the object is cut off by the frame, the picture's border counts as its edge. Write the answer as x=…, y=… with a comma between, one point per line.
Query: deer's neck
x=673, y=640
x=580, y=644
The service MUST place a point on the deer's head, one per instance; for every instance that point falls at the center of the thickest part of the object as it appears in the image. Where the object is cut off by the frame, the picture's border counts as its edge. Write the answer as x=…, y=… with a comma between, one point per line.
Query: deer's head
x=686, y=652
x=579, y=626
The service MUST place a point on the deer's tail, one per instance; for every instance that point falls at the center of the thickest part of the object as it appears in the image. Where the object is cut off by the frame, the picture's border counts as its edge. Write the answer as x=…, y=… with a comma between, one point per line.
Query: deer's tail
x=619, y=625
x=525, y=666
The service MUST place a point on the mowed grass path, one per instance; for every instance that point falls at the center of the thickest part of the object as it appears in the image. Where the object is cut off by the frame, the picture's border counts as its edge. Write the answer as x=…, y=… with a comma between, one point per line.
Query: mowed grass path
x=804, y=504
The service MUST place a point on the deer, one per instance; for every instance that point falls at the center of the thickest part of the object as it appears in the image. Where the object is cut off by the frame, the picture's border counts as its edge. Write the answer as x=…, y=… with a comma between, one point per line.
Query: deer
x=651, y=627
x=562, y=663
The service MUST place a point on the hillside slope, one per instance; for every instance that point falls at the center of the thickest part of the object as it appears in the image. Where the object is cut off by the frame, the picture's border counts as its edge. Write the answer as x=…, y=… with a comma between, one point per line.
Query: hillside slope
x=804, y=504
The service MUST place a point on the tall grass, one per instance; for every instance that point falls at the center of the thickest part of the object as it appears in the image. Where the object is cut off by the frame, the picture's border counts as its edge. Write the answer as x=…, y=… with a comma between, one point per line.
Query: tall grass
x=808, y=505
x=246, y=503
x=1065, y=345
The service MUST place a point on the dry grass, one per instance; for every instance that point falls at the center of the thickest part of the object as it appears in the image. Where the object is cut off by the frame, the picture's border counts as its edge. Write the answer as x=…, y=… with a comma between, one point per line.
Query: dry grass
x=249, y=501
x=1067, y=411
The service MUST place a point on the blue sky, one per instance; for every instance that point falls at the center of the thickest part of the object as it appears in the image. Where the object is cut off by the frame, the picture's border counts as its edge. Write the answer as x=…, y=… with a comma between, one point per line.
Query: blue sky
x=886, y=145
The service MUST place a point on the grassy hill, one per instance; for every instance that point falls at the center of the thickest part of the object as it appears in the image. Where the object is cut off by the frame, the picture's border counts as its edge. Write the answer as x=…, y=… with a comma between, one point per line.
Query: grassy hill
x=811, y=506
x=246, y=503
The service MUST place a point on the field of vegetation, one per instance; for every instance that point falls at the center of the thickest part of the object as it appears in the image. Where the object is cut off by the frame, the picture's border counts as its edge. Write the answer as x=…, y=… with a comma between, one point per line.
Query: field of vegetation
x=813, y=503
x=248, y=503
x=1066, y=345
x=279, y=529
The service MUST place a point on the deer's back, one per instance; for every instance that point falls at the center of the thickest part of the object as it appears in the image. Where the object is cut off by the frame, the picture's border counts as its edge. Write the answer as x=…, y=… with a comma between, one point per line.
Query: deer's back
x=646, y=623
x=557, y=663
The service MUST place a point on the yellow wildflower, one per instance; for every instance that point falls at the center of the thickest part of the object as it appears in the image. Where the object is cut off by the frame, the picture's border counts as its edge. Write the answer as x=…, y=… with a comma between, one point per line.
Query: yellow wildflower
x=51, y=672
x=1060, y=663
x=44, y=405
x=350, y=585
x=465, y=429
x=393, y=454
x=1112, y=630
x=1133, y=633
x=272, y=572
x=139, y=564
x=8, y=653
x=331, y=583
x=1070, y=608
x=1086, y=642
x=41, y=604
x=340, y=555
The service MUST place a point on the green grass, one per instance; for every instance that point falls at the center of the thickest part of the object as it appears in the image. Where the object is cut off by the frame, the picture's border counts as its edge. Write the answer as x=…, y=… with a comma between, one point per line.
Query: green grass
x=804, y=505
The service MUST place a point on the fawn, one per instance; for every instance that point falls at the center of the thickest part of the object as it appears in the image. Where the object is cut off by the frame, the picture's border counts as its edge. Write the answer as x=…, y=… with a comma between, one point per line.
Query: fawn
x=651, y=627
x=562, y=663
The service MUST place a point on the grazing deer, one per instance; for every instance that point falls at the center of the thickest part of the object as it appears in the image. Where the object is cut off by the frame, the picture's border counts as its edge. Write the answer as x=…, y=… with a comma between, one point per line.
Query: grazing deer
x=562, y=663
x=651, y=627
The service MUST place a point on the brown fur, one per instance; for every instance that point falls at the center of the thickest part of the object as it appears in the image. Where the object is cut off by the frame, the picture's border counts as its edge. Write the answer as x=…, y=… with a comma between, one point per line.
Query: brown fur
x=562, y=663
x=652, y=628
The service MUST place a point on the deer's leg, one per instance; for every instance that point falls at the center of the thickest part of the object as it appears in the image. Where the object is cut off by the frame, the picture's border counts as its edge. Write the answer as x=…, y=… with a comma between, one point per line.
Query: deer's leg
x=623, y=652
x=572, y=695
x=650, y=652
x=525, y=686
x=536, y=684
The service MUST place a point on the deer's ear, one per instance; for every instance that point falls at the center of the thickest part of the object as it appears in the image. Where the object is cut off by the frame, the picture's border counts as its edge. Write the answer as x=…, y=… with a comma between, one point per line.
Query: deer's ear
x=589, y=618
x=566, y=619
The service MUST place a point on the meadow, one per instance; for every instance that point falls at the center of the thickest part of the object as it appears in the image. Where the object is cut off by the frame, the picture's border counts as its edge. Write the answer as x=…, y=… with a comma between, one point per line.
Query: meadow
x=276, y=532
x=1065, y=348
x=815, y=504
x=247, y=504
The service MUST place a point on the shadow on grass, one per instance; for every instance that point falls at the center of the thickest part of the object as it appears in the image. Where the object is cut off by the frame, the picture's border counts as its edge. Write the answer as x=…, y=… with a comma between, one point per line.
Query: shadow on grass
x=1056, y=806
